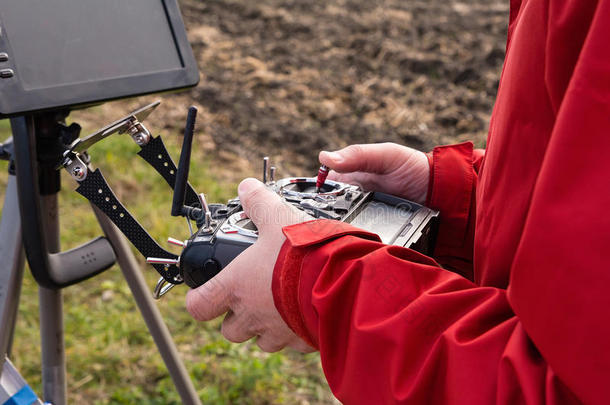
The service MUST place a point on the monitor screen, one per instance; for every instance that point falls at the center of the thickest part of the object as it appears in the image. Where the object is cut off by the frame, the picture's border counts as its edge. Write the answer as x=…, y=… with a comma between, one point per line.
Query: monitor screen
x=67, y=52
x=90, y=39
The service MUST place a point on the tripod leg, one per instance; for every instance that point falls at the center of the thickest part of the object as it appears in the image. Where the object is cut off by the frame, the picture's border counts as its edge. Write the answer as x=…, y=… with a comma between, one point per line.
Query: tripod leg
x=19, y=266
x=51, y=318
x=149, y=310
x=11, y=266
x=52, y=344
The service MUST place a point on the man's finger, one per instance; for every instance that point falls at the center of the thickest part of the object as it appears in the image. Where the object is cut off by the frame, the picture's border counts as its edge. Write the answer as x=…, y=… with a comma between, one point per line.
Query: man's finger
x=371, y=158
x=367, y=181
x=212, y=299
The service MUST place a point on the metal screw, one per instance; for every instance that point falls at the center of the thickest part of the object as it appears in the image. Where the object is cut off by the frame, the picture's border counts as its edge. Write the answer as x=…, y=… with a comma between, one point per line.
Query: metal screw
x=78, y=172
x=138, y=132
x=141, y=138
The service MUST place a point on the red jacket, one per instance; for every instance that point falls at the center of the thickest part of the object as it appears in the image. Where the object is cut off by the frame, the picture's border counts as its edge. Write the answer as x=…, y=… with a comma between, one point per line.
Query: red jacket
x=520, y=313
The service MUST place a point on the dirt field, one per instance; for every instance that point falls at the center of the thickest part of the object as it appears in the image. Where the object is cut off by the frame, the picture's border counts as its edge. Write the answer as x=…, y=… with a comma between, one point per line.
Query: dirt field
x=289, y=78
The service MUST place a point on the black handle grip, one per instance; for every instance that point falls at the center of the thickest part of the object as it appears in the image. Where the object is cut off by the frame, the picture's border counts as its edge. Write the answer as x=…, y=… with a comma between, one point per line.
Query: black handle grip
x=51, y=270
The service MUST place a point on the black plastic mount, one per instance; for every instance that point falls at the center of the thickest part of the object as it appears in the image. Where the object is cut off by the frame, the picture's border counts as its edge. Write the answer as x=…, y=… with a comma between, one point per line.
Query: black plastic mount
x=36, y=176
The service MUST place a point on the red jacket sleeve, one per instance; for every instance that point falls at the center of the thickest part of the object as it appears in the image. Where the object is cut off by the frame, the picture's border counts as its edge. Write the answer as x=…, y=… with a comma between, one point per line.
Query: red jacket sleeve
x=454, y=172
x=393, y=327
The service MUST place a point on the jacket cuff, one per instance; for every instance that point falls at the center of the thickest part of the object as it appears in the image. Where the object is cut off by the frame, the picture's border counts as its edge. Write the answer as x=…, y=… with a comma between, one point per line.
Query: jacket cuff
x=301, y=239
x=452, y=179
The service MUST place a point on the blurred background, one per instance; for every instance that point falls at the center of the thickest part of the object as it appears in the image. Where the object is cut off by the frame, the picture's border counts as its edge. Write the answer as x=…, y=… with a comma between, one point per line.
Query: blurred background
x=283, y=79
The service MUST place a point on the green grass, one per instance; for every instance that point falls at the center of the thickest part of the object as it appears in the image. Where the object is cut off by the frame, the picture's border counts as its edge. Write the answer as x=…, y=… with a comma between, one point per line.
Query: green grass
x=110, y=355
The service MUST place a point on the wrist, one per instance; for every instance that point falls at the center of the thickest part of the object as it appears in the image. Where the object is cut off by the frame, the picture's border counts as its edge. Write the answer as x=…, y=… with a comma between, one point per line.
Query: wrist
x=416, y=177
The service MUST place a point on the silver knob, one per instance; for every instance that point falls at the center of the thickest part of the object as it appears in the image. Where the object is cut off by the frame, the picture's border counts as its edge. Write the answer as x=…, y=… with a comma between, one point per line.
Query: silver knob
x=176, y=242
x=203, y=202
x=265, y=168
x=162, y=260
x=206, y=211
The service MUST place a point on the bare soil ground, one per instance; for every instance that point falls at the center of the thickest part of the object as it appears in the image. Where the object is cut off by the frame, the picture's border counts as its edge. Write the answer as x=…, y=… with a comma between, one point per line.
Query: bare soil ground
x=288, y=78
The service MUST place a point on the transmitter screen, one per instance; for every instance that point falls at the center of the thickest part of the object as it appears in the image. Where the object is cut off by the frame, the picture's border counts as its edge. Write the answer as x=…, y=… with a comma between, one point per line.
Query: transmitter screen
x=383, y=219
x=61, y=42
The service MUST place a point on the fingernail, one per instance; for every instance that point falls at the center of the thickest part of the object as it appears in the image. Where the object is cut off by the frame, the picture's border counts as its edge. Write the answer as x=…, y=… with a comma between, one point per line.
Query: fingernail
x=247, y=185
x=334, y=156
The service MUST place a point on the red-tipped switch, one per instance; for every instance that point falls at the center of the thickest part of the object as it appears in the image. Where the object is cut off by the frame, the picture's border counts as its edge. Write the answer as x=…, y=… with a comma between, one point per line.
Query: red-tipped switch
x=322, y=175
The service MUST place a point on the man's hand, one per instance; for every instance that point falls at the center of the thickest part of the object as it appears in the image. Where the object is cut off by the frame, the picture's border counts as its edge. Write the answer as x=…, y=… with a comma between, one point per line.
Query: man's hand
x=243, y=288
x=385, y=167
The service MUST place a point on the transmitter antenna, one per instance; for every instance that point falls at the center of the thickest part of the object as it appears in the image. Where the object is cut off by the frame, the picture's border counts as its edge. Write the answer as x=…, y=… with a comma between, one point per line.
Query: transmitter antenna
x=182, y=174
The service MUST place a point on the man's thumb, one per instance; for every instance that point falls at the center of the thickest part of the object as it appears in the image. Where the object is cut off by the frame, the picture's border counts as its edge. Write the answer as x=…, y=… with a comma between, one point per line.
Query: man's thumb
x=260, y=204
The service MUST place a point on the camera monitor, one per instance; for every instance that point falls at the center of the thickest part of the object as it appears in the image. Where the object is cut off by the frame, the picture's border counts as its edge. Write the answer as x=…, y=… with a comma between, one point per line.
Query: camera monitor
x=68, y=53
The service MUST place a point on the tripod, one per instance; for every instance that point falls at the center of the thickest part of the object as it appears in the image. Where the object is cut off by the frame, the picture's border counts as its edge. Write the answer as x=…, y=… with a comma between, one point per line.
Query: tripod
x=30, y=222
